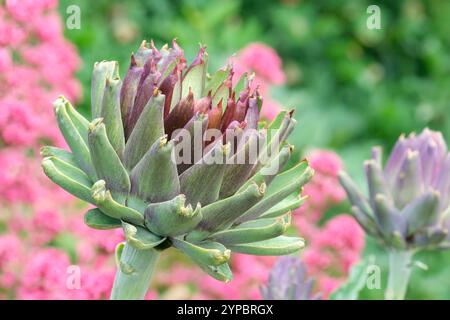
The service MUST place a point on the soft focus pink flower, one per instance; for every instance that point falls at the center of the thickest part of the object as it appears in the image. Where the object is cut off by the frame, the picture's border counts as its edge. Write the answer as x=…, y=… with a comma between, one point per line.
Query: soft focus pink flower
x=264, y=61
x=34, y=211
x=10, y=247
x=324, y=190
x=46, y=225
x=335, y=247
x=5, y=60
x=45, y=275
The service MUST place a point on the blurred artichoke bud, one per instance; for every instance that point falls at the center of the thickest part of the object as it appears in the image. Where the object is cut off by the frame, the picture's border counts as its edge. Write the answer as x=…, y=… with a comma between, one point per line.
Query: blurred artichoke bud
x=145, y=164
x=288, y=280
x=408, y=203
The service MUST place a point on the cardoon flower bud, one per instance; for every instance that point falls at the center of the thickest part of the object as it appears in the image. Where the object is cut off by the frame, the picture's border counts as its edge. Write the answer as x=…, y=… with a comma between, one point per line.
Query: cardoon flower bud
x=408, y=206
x=288, y=280
x=168, y=158
x=408, y=203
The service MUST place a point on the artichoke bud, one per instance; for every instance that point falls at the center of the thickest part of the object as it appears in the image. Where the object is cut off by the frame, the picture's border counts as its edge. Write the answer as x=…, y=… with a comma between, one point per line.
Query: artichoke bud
x=177, y=157
x=409, y=199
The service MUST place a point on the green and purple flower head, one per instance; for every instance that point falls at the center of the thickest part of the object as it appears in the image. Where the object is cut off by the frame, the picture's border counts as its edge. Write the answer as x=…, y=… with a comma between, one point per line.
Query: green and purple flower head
x=178, y=157
x=409, y=200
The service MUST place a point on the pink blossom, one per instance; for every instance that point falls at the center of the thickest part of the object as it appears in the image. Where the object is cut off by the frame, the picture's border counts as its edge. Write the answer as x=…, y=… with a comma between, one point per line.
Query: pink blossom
x=46, y=225
x=332, y=249
x=324, y=190
x=264, y=61
x=10, y=246
x=45, y=276
x=5, y=60
x=23, y=10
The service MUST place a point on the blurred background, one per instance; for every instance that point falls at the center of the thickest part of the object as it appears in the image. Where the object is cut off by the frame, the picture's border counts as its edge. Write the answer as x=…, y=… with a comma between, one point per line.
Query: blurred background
x=352, y=88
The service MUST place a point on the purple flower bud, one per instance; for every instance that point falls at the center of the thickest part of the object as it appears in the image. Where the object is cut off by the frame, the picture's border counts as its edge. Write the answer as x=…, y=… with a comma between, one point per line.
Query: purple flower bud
x=409, y=201
x=288, y=281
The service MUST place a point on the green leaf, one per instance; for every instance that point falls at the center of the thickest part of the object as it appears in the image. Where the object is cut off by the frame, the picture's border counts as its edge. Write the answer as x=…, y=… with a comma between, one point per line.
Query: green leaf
x=106, y=161
x=240, y=85
x=267, y=173
x=216, y=80
x=276, y=123
x=79, y=189
x=112, y=115
x=279, y=246
x=105, y=202
x=277, y=194
x=408, y=184
x=290, y=203
x=253, y=231
x=147, y=130
x=222, y=273
x=70, y=170
x=172, y=218
x=155, y=177
x=240, y=166
x=176, y=95
x=124, y=267
x=285, y=178
x=387, y=217
x=73, y=138
x=140, y=238
x=221, y=93
x=102, y=70
x=206, y=253
x=96, y=219
x=49, y=151
x=376, y=182
x=277, y=133
x=202, y=181
x=221, y=214
x=80, y=122
x=195, y=77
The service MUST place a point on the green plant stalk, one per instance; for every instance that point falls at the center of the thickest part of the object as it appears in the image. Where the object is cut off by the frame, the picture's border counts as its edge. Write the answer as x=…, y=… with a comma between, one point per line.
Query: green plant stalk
x=400, y=266
x=134, y=272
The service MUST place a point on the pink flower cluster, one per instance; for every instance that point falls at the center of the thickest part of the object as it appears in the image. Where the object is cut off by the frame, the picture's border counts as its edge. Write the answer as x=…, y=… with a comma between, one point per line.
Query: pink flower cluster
x=42, y=68
x=42, y=231
x=39, y=249
x=333, y=248
x=267, y=67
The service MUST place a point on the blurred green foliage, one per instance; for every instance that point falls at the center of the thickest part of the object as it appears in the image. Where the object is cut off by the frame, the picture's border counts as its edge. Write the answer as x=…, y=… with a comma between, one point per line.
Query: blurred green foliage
x=352, y=87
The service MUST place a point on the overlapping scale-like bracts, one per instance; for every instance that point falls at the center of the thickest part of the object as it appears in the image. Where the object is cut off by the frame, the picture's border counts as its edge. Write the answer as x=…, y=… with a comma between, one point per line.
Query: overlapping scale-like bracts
x=408, y=206
x=178, y=157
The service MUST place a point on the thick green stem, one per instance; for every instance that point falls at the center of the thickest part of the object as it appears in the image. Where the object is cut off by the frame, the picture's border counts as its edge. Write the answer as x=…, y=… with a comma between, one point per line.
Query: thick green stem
x=134, y=271
x=399, y=273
